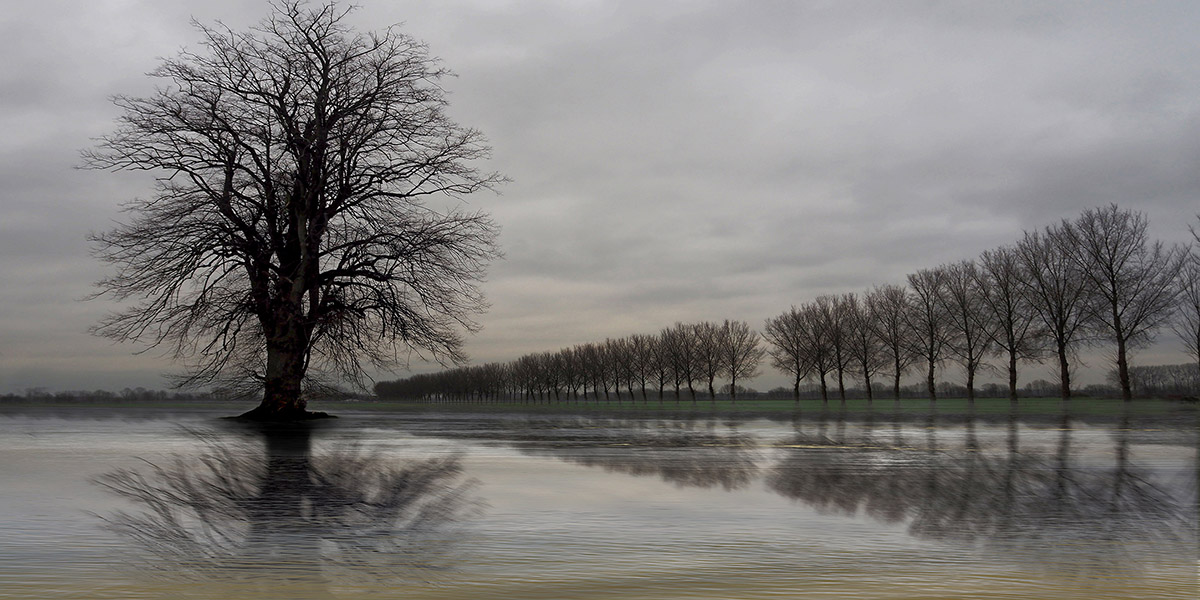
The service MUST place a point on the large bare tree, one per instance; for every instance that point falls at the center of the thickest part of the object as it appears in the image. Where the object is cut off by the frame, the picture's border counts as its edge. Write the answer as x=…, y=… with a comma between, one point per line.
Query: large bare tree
x=709, y=363
x=966, y=310
x=1132, y=275
x=740, y=353
x=592, y=356
x=888, y=306
x=1058, y=293
x=928, y=322
x=681, y=343
x=1187, y=318
x=641, y=347
x=814, y=333
x=664, y=364
x=833, y=311
x=863, y=346
x=787, y=347
x=1014, y=327
x=625, y=363
x=290, y=233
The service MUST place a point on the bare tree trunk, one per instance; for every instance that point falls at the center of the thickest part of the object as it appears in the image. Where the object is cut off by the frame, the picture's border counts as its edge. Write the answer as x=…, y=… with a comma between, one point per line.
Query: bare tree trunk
x=1064, y=373
x=971, y=385
x=1123, y=371
x=1012, y=377
x=285, y=368
x=931, y=383
x=282, y=393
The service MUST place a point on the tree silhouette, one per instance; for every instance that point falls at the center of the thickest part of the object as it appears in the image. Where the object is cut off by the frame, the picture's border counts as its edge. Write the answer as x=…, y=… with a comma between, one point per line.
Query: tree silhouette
x=740, y=353
x=1009, y=310
x=967, y=315
x=1058, y=293
x=928, y=322
x=787, y=347
x=1132, y=277
x=888, y=306
x=290, y=233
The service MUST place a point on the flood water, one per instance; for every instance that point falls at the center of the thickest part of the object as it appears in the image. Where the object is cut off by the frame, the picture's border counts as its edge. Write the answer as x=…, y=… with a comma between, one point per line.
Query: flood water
x=179, y=504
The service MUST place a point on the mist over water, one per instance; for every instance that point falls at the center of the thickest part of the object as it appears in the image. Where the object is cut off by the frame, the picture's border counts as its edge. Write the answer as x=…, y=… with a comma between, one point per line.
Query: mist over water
x=169, y=503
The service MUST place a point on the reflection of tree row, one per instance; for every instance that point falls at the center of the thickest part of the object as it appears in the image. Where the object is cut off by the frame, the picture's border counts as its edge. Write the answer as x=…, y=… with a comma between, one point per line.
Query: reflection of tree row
x=265, y=513
x=688, y=453
x=1028, y=504
x=685, y=453
x=973, y=493
x=947, y=481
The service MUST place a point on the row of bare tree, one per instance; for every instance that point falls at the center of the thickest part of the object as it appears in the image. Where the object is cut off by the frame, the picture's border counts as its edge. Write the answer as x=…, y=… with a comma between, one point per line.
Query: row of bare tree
x=1095, y=280
x=682, y=356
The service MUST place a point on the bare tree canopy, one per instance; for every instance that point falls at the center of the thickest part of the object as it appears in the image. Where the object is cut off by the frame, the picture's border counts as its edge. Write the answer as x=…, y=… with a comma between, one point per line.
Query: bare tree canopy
x=708, y=354
x=1132, y=276
x=1058, y=293
x=1187, y=320
x=970, y=341
x=832, y=310
x=864, y=347
x=290, y=234
x=889, y=305
x=678, y=350
x=740, y=353
x=928, y=322
x=1009, y=309
x=788, y=348
x=817, y=337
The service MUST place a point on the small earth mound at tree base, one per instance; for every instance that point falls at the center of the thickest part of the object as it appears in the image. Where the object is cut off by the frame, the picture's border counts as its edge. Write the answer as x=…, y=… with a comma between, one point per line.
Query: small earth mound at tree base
x=264, y=415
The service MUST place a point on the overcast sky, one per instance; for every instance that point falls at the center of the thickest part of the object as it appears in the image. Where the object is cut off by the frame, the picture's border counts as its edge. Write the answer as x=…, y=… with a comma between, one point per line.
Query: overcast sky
x=670, y=161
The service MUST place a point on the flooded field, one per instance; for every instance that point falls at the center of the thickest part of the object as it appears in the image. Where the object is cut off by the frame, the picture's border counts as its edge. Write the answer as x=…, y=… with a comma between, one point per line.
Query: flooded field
x=180, y=504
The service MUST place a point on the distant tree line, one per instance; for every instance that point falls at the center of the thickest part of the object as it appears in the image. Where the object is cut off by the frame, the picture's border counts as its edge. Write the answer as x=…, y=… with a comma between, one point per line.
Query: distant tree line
x=1164, y=380
x=139, y=394
x=1098, y=279
x=686, y=359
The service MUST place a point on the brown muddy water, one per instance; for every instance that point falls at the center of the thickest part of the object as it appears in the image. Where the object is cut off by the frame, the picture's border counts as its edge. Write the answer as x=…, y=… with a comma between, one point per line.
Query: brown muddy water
x=178, y=504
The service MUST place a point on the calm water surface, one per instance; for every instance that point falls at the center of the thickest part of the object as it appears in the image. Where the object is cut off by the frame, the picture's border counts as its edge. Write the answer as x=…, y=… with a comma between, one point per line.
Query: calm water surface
x=178, y=504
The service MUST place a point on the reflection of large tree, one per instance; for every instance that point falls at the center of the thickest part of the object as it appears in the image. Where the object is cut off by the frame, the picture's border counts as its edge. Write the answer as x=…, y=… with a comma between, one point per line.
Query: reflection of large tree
x=264, y=509
x=1026, y=504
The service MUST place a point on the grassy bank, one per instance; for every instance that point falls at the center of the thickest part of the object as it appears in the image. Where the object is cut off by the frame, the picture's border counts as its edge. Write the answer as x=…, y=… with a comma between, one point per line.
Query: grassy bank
x=783, y=407
x=1104, y=408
